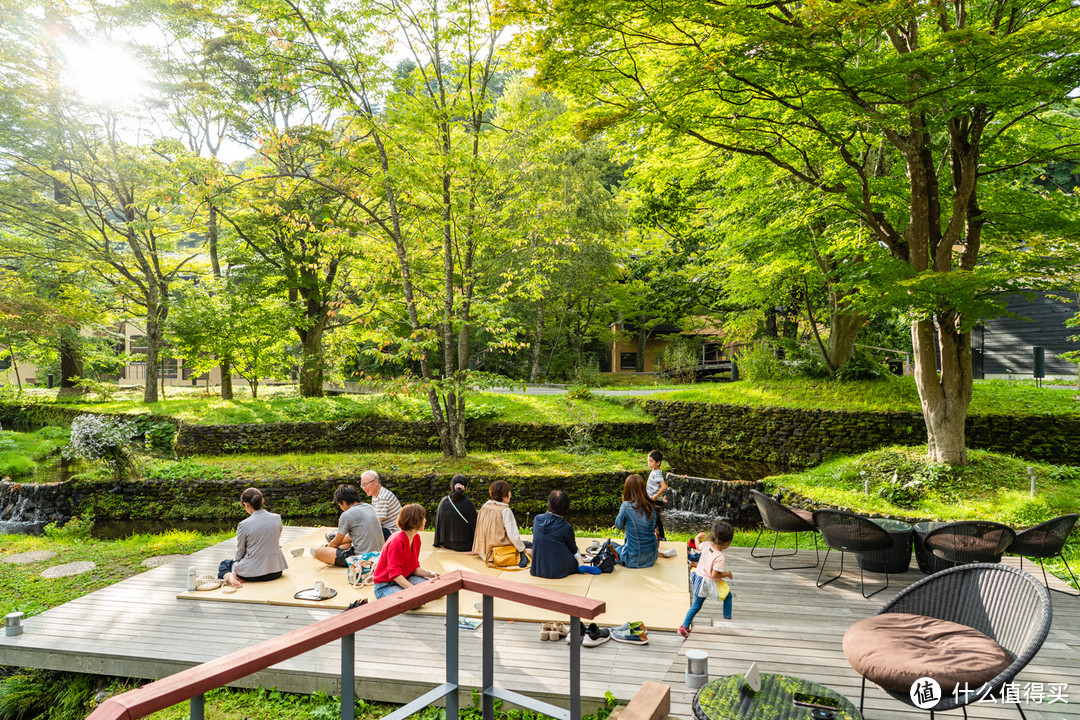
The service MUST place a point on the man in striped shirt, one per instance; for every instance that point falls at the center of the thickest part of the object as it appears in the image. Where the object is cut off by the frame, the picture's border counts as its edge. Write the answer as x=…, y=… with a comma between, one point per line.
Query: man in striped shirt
x=385, y=502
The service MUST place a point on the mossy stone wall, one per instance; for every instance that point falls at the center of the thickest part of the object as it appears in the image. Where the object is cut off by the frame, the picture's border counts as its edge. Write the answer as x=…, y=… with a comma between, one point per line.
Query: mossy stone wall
x=788, y=436
x=197, y=499
x=394, y=434
x=20, y=414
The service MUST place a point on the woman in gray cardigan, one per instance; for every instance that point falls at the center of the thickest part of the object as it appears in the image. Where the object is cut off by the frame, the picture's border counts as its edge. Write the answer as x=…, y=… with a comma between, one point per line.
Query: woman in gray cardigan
x=258, y=545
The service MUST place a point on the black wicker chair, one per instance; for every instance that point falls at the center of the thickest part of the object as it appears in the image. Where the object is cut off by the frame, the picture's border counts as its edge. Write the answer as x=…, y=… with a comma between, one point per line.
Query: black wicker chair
x=970, y=541
x=847, y=532
x=1045, y=540
x=781, y=518
x=1006, y=604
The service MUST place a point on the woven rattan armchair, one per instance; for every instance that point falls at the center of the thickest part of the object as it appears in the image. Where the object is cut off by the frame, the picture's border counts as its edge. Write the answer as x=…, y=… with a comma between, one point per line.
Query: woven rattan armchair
x=781, y=518
x=848, y=532
x=1006, y=604
x=970, y=541
x=1045, y=540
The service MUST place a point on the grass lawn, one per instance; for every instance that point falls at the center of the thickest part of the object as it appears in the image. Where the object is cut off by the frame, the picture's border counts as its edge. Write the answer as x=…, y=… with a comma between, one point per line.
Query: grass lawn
x=285, y=405
x=256, y=468
x=902, y=483
x=989, y=397
x=19, y=452
x=22, y=587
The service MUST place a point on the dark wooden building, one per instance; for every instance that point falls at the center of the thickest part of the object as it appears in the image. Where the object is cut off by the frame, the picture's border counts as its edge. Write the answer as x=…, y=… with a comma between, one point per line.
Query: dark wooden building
x=1004, y=346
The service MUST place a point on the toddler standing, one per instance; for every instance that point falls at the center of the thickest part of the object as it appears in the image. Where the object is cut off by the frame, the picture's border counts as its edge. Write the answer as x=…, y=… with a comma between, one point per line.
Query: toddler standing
x=710, y=567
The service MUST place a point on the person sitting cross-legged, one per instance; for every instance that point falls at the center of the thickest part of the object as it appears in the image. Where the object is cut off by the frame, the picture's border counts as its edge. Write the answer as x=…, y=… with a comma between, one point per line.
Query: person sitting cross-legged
x=358, y=529
x=555, y=551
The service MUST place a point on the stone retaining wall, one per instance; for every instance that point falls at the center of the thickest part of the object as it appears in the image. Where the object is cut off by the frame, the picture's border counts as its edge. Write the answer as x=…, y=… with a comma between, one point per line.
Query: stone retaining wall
x=22, y=414
x=397, y=434
x=210, y=499
x=806, y=437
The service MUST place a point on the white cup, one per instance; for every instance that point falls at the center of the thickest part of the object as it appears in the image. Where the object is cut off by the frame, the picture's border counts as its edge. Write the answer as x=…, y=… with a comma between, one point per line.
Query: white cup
x=320, y=589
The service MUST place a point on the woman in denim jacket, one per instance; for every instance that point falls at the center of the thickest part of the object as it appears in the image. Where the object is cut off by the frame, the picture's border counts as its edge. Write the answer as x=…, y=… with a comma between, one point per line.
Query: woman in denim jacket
x=637, y=516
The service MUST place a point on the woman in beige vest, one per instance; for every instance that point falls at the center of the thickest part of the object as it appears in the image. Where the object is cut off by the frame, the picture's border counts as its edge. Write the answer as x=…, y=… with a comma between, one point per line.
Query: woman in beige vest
x=495, y=523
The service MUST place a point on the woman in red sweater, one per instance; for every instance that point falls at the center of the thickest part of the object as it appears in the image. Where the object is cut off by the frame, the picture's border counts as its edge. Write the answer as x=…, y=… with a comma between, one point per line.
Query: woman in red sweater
x=399, y=562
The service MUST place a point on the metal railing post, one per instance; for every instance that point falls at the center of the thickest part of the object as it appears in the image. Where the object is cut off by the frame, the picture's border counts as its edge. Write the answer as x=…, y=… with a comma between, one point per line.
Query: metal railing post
x=452, y=654
x=348, y=677
x=198, y=707
x=575, y=668
x=488, y=663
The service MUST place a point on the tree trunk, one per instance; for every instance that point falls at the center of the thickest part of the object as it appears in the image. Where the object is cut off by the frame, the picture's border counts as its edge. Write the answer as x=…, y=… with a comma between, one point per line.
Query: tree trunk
x=311, y=367
x=215, y=266
x=945, y=396
x=14, y=368
x=71, y=364
x=770, y=323
x=155, y=317
x=642, y=341
x=226, y=378
x=843, y=332
x=534, y=370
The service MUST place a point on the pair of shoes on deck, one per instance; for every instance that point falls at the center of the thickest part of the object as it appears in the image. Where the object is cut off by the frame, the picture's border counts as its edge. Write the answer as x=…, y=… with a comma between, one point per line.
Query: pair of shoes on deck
x=631, y=633
x=553, y=631
x=591, y=635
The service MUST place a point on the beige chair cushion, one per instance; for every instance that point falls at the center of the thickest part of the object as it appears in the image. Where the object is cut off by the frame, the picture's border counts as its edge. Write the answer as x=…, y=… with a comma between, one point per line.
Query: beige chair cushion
x=894, y=650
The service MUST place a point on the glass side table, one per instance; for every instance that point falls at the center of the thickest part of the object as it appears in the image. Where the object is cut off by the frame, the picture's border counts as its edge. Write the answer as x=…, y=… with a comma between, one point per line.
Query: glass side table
x=896, y=559
x=929, y=563
x=726, y=698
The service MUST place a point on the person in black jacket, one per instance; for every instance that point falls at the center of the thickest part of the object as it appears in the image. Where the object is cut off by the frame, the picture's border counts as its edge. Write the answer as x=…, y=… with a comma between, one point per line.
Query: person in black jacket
x=455, y=518
x=555, y=551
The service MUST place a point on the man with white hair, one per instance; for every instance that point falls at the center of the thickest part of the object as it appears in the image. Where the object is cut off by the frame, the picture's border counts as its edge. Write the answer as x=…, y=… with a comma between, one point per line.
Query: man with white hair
x=385, y=502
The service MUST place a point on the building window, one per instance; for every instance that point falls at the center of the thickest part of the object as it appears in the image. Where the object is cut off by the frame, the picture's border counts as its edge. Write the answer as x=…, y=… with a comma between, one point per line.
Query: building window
x=138, y=347
x=628, y=361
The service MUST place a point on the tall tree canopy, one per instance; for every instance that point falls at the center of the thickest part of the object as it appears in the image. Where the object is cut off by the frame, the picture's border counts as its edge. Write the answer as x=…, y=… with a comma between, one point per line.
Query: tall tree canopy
x=928, y=122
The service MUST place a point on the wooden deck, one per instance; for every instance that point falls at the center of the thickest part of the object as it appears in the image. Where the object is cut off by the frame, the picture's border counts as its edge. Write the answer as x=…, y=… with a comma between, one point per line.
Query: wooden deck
x=138, y=628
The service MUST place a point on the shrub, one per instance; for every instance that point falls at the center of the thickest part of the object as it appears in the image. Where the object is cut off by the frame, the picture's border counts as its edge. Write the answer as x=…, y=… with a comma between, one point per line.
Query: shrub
x=680, y=360
x=587, y=374
x=103, y=439
x=863, y=365
x=760, y=362
x=903, y=492
x=579, y=392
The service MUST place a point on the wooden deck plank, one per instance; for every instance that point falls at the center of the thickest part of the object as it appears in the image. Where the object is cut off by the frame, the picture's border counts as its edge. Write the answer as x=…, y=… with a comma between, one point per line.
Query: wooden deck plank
x=782, y=621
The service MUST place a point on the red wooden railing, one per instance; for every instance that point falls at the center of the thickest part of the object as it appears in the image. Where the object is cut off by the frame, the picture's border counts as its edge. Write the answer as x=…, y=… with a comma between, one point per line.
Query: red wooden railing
x=192, y=683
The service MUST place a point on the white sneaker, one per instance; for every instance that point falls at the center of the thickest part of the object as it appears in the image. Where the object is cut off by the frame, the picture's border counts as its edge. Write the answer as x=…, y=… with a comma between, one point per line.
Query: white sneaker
x=670, y=552
x=311, y=552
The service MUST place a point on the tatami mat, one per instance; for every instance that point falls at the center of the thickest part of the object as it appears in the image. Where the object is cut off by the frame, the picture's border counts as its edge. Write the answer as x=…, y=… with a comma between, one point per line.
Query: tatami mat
x=656, y=596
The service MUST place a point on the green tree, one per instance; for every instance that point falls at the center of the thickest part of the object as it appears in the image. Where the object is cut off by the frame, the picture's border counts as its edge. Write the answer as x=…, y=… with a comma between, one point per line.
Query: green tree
x=245, y=318
x=925, y=122
x=410, y=167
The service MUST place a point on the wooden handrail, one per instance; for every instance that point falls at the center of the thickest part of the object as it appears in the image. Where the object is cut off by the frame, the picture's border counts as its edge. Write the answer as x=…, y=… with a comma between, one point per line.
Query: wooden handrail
x=195, y=681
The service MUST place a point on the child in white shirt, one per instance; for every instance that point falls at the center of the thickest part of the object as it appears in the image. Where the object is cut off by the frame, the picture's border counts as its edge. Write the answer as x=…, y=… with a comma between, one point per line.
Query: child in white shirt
x=710, y=568
x=655, y=487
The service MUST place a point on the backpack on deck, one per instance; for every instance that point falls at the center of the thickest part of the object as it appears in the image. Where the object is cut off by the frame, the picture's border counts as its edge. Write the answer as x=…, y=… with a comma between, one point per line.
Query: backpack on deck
x=605, y=558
